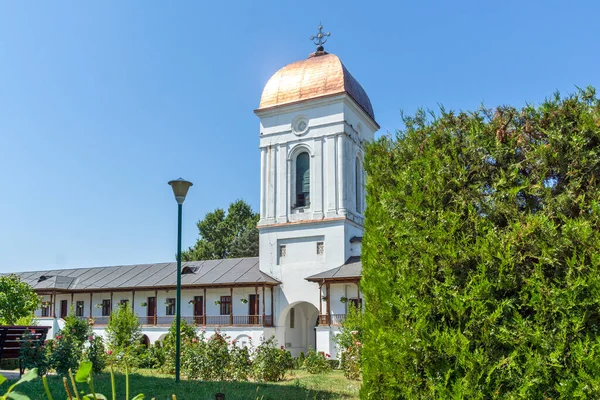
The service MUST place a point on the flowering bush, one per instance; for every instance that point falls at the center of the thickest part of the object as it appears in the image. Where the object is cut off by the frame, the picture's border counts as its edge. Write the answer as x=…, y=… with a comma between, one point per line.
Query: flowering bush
x=215, y=359
x=33, y=353
x=65, y=353
x=188, y=333
x=217, y=356
x=240, y=366
x=95, y=352
x=349, y=344
x=351, y=361
x=316, y=363
x=270, y=362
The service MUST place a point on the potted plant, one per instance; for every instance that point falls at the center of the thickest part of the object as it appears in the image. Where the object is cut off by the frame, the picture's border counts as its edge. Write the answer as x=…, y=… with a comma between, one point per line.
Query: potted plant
x=244, y=300
x=217, y=302
x=45, y=304
x=99, y=305
x=344, y=299
x=192, y=301
x=144, y=304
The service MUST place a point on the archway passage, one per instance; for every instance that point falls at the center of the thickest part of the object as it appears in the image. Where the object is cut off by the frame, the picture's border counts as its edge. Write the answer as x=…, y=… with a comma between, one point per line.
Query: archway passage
x=145, y=341
x=300, y=322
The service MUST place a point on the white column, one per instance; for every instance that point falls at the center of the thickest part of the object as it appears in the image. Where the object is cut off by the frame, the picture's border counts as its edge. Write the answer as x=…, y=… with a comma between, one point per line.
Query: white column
x=270, y=186
x=330, y=175
x=263, y=185
x=317, y=180
x=282, y=200
x=340, y=175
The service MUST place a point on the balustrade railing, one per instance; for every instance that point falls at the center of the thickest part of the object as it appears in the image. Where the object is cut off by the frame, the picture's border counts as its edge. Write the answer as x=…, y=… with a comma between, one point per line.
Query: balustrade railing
x=201, y=320
x=211, y=320
x=100, y=320
x=332, y=320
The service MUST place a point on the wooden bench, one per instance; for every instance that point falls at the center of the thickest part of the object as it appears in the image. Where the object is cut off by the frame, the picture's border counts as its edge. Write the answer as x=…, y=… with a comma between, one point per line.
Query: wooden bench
x=10, y=341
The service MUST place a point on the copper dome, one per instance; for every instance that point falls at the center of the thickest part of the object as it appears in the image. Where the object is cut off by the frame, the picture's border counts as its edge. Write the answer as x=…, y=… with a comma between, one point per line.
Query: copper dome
x=321, y=74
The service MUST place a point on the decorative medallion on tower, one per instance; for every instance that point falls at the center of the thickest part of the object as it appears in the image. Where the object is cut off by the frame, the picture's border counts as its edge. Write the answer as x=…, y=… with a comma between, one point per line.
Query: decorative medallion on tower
x=300, y=125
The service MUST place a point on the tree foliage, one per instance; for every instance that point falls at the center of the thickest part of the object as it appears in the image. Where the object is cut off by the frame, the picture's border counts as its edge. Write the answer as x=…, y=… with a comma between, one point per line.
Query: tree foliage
x=18, y=300
x=226, y=234
x=123, y=330
x=481, y=270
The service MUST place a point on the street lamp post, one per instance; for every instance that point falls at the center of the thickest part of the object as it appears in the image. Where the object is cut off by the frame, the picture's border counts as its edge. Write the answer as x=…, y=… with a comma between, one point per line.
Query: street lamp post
x=180, y=188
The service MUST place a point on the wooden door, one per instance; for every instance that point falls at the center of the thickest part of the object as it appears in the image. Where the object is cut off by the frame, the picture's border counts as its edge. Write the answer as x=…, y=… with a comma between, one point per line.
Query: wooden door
x=198, y=310
x=253, y=309
x=151, y=310
x=64, y=309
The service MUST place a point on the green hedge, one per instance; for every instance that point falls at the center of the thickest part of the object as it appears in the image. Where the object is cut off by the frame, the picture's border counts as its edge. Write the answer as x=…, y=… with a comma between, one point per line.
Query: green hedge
x=480, y=256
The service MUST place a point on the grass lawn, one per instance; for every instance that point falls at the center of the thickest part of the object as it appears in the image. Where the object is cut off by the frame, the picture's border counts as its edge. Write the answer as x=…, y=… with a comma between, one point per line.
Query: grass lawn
x=298, y=385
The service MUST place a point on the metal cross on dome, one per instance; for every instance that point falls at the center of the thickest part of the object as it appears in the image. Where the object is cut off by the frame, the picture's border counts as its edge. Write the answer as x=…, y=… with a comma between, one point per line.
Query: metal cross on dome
x=320, y=38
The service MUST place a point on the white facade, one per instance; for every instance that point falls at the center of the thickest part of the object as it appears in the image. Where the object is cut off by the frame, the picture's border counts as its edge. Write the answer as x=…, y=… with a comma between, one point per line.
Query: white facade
x=297, y=242
x=312, y=204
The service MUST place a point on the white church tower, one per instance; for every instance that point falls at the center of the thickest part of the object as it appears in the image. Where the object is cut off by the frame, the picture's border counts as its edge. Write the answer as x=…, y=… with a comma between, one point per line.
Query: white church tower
x=314, y=121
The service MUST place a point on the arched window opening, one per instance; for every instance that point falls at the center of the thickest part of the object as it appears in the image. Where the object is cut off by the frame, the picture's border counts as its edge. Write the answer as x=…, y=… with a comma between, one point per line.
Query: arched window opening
x=302, y=180
x=358, y=185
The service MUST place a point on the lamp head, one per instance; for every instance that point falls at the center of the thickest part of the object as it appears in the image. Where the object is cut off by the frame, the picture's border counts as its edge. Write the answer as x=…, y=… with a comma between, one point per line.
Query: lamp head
x=180, y=188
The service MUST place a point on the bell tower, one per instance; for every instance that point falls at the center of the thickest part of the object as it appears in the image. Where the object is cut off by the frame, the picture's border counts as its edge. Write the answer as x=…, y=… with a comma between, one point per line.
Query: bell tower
x=314, y=121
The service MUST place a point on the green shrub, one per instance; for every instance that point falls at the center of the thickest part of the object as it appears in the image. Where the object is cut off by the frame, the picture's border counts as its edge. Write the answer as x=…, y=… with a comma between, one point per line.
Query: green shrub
x=151, y=357
x=123, y=330
x=33, y=353
x=316, y=362
x=299, y=361
x=270, y=363
x=65, y=353
x=351, y=361
x=240, y=366
x=95, y=352
x=217, y=357
x=188, y=334
x=349, y=344
x=481, y=271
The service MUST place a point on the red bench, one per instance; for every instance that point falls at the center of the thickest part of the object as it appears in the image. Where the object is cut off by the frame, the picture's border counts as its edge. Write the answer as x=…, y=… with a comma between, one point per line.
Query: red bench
x=10, y=341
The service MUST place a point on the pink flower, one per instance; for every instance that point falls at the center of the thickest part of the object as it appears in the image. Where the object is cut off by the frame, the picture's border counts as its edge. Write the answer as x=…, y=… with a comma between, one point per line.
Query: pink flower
x=109, y=352
x=32, y=331
x=327, y=355
x=90, y=338
x=357, y=343
x=194, y=340
x=282, y=348
x=58, y=337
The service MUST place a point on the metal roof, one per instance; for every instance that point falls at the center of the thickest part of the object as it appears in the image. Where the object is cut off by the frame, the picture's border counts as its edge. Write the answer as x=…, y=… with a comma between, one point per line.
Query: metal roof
x=230, y=271
x=352, y=268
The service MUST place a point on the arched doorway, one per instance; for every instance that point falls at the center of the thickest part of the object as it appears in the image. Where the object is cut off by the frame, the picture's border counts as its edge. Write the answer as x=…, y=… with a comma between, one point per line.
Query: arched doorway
x=145, y=341
x=299, y=320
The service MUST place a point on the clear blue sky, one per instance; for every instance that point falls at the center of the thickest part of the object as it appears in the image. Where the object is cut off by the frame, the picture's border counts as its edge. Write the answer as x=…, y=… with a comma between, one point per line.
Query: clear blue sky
x=101, y=103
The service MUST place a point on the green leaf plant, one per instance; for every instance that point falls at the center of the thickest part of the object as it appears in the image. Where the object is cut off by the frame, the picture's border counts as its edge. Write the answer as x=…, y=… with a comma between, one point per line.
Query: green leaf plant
x=10, y=395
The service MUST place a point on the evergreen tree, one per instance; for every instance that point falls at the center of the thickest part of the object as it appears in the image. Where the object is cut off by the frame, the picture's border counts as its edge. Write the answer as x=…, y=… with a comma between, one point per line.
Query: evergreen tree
x=481, y=271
